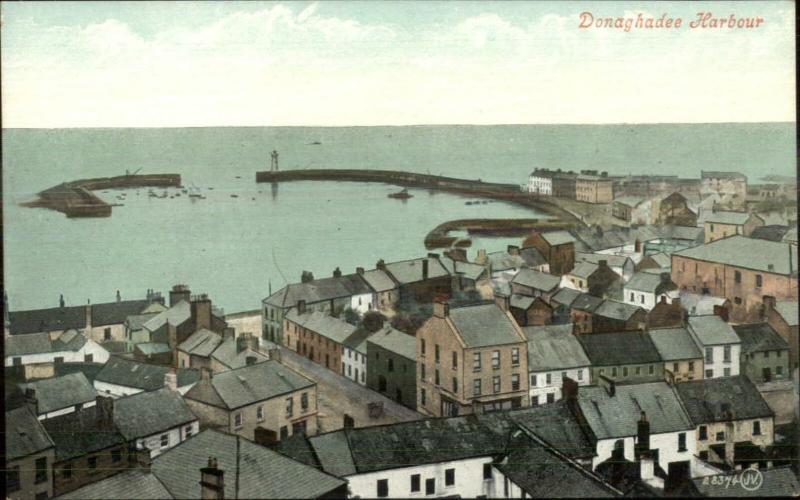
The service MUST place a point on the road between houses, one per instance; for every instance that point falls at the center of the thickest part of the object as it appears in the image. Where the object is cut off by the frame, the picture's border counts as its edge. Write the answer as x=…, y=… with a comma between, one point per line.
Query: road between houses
x=337, y=395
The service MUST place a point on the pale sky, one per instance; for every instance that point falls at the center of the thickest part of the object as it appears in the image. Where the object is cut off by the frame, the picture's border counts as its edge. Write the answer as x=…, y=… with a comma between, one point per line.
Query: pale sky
x=119, y=64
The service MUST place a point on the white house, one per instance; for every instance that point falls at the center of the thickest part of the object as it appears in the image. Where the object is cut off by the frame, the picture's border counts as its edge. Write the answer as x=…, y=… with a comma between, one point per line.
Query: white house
x=647, y=289
x=718, y=342
x=60, y=395
x=541, y=182
x=155, y=420
x=620, y=264
x=55, y=347
x=649, y=414
x=123, y=377
x=354, y=356
x=554, y=353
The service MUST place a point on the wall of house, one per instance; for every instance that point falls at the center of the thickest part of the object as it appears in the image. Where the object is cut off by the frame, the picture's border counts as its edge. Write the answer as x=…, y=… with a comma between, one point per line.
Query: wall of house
x=275, y=415
x=754, y=364
x=83, y=475
x=245, y=322
x=314, y=346
x=99, y=355
x=581, y=321
x=713, y=231
x=362, y=303
x=629, y=373
x=210, y=416
x=469, y=482
x=717, y=366
x=387, y=299
x=403, y=376
x=605, y=448
x=791, y=334
x=176, y=435
x=114, y=390
x=685, y=369
x=602, y=324
x=539, y=388
x=668, y=451
x=28, y=488
x=540, y=185
x=116, y=332
x=742, y=431
x=355, y=365
x=64, y=411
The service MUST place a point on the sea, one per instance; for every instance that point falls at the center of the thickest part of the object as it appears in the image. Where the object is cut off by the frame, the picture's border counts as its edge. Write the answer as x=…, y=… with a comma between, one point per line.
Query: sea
x=245, y=239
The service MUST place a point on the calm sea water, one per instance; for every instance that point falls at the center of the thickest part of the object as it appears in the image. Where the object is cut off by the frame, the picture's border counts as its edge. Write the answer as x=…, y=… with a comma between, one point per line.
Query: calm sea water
x=233, y=248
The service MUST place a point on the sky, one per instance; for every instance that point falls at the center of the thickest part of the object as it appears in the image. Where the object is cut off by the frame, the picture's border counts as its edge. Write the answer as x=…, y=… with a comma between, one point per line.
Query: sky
x=164, y=64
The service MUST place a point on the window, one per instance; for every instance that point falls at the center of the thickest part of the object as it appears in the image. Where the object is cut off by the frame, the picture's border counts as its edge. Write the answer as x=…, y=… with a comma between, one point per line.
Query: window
x=651, y=369
x=533, y=380
x=92, y=463
x=455, y=360
x=551, y=397
x=602, y=371
x=726, y=372
x=535, y=401
x=66, y=472
x=632, y=299
x=779, y=371
x=476, y=387
x=515, y=382
x=721, y=436
x=260, y=414
x=165, y=437
x=422, y=397
x=430, y=486
x=383, y=488
x=495, y=360
x=381, y=383
x=613, y=371
x=496, y=383
x=580, y=375
x=691, y=366
x=422, y=371
x=421, y=347
x=284, y=432
x=548, y=379
x=778, y=353
x=505, y=487
x=674, y=367
x=107, y=334
x=766, y=354
x=116, y=455
x=41, y=470
x=737, y=300
x=12, y=478
x=641, y=298
x=187, y=430
x=88, y=358
x=389, y=364
x=58, y=359
x=449, y=477
x=515, y=356
x=709, y=355
x=436, y=355
x=758, y=281
x=756, y=428
x=289, y=407
x=703, y=432
x=476, y=362
x=682, y=441
x=703, y=455
x=415, y=482
x=737, y=276
x=487, y=471
x=709, y=373
x=726, y=354
x=455, y=385
x=436, y=376
x=304, y=402
x=624, y=371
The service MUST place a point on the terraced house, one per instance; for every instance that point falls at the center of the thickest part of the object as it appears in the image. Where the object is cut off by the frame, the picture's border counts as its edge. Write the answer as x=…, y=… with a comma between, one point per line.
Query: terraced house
x=469, y=359
x=719, y=343
x=554, y=354
x=29, y=456
x=622, y=357
x=682, y=359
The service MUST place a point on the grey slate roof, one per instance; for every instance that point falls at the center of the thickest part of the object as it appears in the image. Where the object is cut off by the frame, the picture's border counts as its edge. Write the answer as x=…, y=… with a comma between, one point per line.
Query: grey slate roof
x=175, y=315
x=716, y=174
x=410, y=271
x=503, y=261
x=675, y=344
x=523, y=302
x=40, y=343
x=586, y=302
x=617, y=310
x=619, y=348
x=379, y=280
x=583, y=269
x=733, y=218
x=532, y=257
x=319, y=290
x=148, y=413
x=773, y=232
x=43, y=320
x=228, y=355
x=249, y=384
x=747, y=253
x=465, y=269
x=712, y=330
x=700, y=305
x=81, y=432
x=136, y=321
x=595, y=258
x=251, y=470
x=651, y=283
x=556, y=425
x=484, y=325
x=323, y=324
x=147, y=377
x=776, y=482
x=616, y=416
x=201, y=343
x=759, y=337
x=565, y=296
x=133, y=484
x=24, y=434
x=113, y=313
x=395, y=341
x=553, y=347
x=662, y=259
x=333, y=452
x=790, y=236
x=149, y=348
x=61, y=392
x=554, y=238
x=630, y=201
x=537, y=280
x=788, y=310
x=357, y=340
x=89, y=370
x=708, y=400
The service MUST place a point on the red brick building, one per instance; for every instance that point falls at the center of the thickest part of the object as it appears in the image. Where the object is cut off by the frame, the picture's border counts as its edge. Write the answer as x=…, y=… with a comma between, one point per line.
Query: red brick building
x=557, y=247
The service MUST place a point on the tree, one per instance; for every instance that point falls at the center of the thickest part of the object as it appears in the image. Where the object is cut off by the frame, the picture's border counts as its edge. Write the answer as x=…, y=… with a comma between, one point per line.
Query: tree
x=373, y=321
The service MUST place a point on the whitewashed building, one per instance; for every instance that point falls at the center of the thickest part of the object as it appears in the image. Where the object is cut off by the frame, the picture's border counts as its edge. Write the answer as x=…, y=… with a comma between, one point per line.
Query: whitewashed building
x=647, y=289
x=554, y=354
x=541, y=182
x=48, y=348
x=718, y=342
x=354, y=356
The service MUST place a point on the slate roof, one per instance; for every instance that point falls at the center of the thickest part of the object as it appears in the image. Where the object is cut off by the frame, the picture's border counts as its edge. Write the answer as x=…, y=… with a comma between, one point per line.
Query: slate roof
x=662, y=259
x=81, y=432
x=616, y=416
x=42, y=320
x=113, y=313
x=537, y=280
x=148, y=413
x=89, y=370
x=708, y=400
x=175, y=315
x=667, y=232
x=788, y=310
x=147, y=377
x=700, y=305
x=776, y=482
x=357, y=340
x=716, y=174
x=228, y=354
x=523, y=302
x=395, y=341
x=379, y=280
x=201, y=343
x=61, y=392
x=465, y=269
x=586, y=302
x=651, y=283
x=593, y=240
x=149, y=348
x=759, y=337
x=630, y=201
x=247, y=385
x=675, y=344
x=532, y=257
x=790, y=236
x=583, y=269
x=554, y=238
x=136, y=321
x=553, y=347
x=595, y=258
x=772, y=232
x=565, y=296
x=712, y=330
x=319, y=290
x=556, y=425
x=747, y=253
x=484, y=325
x=24, y=434
x=734, y=218
x=617, y=310
x=131, y=484
x=40, y=343
x=619, y=348
x=323, y=324
x=333, y=452
x=251, y=470
x=410, y=271
x=297, y=447
x=503, y=261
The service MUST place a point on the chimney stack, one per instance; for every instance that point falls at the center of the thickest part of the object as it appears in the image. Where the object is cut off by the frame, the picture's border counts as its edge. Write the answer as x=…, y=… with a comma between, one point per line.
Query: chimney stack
x=105, y=409
x=201, y=311
x=424, y=269
x=212, y=481
x=179, y=293
x=119, y=297
x=306, y=277
x=205, y=374
x=30, y=400
x=642, y=435
x=88, y=313
x=337, y=273
x=250, y=360
x=301, y=307
x=360, y=270
x=228, y=333
x=380, y=265
x=61, y=300
x=348, y=421
x=607, y=384
x=171, y=380
x=602, y=263
x=512, y=250
x=569, y=390
x=646, y=467
x=441, y=308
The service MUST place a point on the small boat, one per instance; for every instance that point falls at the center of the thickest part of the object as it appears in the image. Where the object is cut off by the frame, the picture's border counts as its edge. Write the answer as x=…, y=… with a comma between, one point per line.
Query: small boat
x=315, y=143
x=177, y=194
x=402, y=195
x=234, y=196
x=238, y=176
x=467, y=203
x=210, y=188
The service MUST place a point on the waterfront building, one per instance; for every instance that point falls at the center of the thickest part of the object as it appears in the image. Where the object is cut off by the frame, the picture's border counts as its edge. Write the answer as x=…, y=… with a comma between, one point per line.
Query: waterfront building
x=318, y=336
x=632, y=209
x=765, y=354
x=554, y=353
x=731, y=184
x=564, y=185
x=393, y=368
x=675, y=210
x=387, y=291
x=646, y=290
x=420, y=280
x=719, y=343
x=592, y=188
x=469, y=359
x=682, y=359
x=721, y=224
x=622, y=357
x=207, y=350
x=541, y=182
x=29, y=456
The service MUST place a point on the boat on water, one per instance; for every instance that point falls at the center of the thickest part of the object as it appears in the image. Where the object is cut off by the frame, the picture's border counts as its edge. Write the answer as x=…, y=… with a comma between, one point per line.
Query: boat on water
x=234, y=196
x=401, y=195
x=315, y=143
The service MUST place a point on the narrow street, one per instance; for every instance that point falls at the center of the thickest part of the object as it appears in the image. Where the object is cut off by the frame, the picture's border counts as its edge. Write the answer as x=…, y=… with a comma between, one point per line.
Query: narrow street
x=337, y=395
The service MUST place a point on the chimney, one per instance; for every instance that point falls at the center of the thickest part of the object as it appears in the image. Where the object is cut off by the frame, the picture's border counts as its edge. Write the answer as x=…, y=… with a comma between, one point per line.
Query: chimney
x=139, y=459
x=265, y=437
x=250, y=360
x=424, y=269
x=607, y=384
x=61, y=300
x=306, y=277
x=172, y=342
x=662, y=299
x=337, y=273
x=88, y=313
x=274, y=354
x=380, y=265
x=642, y=435
x=179, y=293
x=105, y=409
x=171, y=380
x=602, y=263
x=770, y=267
x=205, y=374
x=666, y=278
x=348, y=421
x=301, y=307
x=676, y=302
x=228, y=333
x=119, y=297
x=481, y=257
x=637, y=246
x=360, y=270
x=441, y=308
x=242, y=343
x=201, y=312
x=433, y=255
x=569, y=390
x=30, y=400
x=512, y=250
x=212, y=481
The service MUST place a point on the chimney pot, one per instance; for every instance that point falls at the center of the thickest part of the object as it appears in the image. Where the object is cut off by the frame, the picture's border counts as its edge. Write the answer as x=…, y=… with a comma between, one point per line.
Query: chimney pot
x=61, y=300
x=337, y=273
x=441, y=308
x=360, y=270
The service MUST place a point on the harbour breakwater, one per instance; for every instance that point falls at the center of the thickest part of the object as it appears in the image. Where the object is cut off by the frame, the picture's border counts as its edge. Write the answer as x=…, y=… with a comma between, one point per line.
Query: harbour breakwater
x=557, y=217
x=76, y=199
